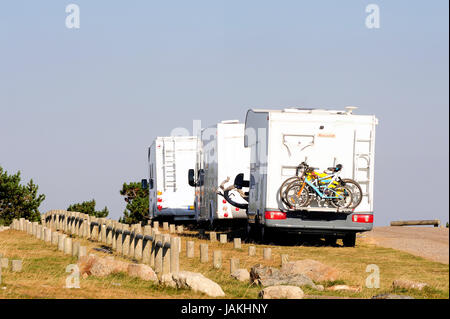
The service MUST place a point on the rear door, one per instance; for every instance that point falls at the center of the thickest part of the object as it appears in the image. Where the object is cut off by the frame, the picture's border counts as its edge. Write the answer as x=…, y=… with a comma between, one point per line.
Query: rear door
x=320, y=141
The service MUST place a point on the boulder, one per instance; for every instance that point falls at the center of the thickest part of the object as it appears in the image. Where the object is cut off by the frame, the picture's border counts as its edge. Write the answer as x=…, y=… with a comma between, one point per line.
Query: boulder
x=320, y=287
x=96, y=266
x=269, y=276
x=344, y=287
x=101, y=267
x=241, y=275
x=282, y=292
x=85, y=264
x=197, y=282
x=166, y=280
x=391, y=296
x=312, y=269
x=142, y=271
x=408, y=284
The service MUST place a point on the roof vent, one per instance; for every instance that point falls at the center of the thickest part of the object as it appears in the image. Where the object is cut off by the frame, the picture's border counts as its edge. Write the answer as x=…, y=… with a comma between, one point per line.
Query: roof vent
x=350, y=109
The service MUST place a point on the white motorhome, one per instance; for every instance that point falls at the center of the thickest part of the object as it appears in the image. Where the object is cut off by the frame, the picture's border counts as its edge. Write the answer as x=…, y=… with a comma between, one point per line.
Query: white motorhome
x=221, y=156
x=169, y=193
x=280, y=140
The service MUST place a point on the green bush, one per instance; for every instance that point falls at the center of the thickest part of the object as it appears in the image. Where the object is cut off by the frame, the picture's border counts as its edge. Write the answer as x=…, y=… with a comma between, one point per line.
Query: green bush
x=16, y=200
x=137, y=203
x=88, y=208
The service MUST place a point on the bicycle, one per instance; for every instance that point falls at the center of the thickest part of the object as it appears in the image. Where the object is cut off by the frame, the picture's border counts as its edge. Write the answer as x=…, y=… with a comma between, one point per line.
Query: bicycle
x=298, y=191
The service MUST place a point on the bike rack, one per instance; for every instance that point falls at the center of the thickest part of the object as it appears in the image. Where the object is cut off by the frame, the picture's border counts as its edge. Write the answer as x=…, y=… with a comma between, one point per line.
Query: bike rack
x=323, y=209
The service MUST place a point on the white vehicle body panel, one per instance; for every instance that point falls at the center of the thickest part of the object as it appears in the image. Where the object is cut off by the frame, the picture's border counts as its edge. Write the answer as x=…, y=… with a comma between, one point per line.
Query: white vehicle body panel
x=221, y=154
x=170, y=158
x=321, y=138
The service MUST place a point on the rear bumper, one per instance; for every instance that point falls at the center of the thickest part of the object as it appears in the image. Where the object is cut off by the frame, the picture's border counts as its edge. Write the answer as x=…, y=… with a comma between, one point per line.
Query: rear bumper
x=175, y=212
x=318, y=223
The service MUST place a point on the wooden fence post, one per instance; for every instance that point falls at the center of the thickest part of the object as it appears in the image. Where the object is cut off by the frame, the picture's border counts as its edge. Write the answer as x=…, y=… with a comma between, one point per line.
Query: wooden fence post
x=203, y=253
x=158, y=253
x=174, y=255
x=217, y=259
x=190, y=249
x=166, y=254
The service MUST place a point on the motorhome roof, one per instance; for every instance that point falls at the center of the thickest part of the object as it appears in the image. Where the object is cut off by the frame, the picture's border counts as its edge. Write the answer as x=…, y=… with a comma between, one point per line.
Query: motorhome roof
x=230, y=122
x=299, y=110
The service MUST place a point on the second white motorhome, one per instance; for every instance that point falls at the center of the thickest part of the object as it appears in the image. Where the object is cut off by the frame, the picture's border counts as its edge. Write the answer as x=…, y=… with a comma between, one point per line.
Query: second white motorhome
x=169, y=194
x=221, y=156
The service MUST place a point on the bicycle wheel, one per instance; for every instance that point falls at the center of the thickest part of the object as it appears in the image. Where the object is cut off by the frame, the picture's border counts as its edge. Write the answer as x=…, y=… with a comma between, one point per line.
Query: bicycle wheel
x=297, y=195
x=284, y=187
x=343, y=197
x=356, y=190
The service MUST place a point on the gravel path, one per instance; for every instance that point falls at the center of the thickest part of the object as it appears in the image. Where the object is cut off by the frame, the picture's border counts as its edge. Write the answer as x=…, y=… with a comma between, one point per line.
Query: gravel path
x=427, y=242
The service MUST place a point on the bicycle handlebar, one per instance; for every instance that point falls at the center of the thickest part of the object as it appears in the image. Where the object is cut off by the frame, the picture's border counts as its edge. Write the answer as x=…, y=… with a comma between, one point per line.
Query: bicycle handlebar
x=308, y=168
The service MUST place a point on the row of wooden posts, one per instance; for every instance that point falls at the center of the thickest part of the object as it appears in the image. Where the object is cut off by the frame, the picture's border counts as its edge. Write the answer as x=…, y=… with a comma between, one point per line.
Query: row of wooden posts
x=143, y=243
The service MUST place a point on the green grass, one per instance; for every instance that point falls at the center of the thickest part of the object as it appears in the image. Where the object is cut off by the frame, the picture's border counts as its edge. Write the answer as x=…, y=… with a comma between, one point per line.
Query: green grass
x=44, y=273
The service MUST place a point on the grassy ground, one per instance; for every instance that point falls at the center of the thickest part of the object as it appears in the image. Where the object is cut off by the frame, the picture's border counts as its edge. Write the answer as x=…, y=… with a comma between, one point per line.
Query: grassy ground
x=44, y=273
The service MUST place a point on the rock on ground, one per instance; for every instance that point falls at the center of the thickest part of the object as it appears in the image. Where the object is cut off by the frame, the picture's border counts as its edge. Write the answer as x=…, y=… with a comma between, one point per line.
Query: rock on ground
x=269, y=276
x=96, y=266
x=142, y=271
x=408, y=284
x=391, y=296
x=313, y=269
x=282, y=292
x=344, y=287
x=197, y=282
x=241, y=274
x=166, y=280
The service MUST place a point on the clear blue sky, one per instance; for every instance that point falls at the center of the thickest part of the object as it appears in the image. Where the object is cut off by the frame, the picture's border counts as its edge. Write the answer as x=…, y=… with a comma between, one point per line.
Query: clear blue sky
x=79, y=107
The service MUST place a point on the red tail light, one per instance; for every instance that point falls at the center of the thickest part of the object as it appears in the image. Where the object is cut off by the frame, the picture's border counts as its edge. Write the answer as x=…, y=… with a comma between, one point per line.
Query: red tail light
x=224, y=201
x=362, y=218
x=237, y=209
x=159, y=200
x=159, y=207
x=275, y=215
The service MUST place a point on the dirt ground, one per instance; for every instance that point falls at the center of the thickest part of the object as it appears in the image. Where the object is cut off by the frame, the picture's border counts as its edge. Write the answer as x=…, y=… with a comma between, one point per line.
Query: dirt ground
x=428, y=242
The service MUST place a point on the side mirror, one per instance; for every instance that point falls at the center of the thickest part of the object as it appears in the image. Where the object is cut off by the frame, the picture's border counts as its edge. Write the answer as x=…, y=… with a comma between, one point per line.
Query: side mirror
x=239, y=181
x=151, y=183
x=191, y=179
x=144, y=184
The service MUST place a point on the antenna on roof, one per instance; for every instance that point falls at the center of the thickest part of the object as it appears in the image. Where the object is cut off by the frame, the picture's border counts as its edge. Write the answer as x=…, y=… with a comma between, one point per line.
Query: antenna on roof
x=350, y=109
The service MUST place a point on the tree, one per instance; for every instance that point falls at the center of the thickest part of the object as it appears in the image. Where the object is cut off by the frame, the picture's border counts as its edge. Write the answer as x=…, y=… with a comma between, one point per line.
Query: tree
x=18, y=201
x=88, y=208
x=137, y=203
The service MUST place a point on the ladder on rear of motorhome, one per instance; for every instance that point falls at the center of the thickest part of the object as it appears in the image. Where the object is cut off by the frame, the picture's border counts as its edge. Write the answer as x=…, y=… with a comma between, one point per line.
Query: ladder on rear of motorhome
x=363, y=156
x=169, y=165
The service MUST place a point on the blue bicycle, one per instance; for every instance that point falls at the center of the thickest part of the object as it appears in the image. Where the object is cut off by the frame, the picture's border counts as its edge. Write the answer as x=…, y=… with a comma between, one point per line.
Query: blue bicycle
x=299, y=191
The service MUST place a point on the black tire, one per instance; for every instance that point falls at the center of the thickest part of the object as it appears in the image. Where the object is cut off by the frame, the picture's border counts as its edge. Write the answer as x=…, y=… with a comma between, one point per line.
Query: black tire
x=330, y=240
x=303, y=201
x=346, y=202
x=349, y=240
x=283, y=188
x=265, y=234
x=250, y=232
x=211, y=222
x=356, y=190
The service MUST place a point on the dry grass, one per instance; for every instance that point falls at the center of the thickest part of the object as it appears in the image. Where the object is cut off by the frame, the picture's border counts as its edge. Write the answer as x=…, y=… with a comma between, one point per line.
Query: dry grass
x=44, y=270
